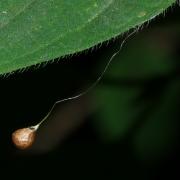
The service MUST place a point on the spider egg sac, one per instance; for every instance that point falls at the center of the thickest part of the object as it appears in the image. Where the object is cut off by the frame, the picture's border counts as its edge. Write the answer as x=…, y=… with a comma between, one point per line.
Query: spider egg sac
x=24, y=138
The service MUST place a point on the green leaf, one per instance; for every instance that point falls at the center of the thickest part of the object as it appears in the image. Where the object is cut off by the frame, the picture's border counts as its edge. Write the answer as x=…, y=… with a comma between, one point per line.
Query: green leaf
x=33, y=31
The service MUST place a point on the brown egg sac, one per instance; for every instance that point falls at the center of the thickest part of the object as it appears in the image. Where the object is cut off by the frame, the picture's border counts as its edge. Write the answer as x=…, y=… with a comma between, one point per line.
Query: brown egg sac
x=24, y=138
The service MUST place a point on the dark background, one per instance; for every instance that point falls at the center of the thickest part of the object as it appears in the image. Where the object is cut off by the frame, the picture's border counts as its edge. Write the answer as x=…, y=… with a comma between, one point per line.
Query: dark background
x=126, y=127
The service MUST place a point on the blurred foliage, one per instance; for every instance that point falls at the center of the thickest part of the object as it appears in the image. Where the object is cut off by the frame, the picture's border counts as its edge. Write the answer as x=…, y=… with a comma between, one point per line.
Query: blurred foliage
x=158, y=135
x=138, y=96
x=117, y=111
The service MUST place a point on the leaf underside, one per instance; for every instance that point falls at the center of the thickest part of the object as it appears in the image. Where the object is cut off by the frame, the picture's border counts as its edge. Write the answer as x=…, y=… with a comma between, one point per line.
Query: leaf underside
x=34, y=31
